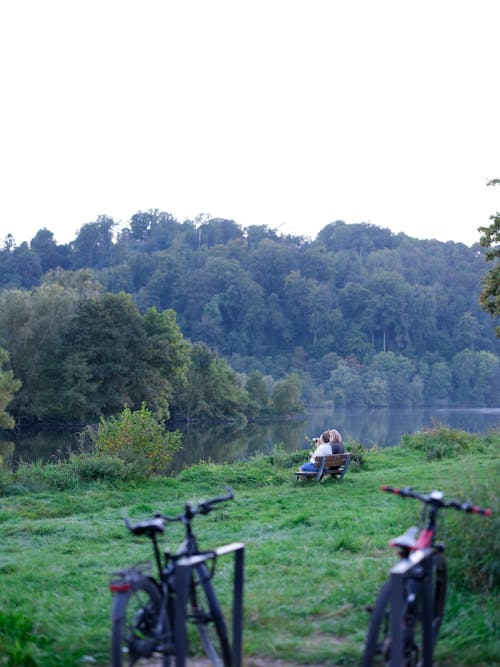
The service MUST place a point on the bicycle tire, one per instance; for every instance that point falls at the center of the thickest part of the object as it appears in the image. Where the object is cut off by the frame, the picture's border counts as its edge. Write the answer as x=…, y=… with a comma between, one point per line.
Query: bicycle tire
x=205, y=612
x=440, y=584
x=378, y=644
x=135, y=617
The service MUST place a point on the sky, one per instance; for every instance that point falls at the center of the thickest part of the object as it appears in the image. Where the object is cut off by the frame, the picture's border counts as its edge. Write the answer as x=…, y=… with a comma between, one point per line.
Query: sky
x=286, y=113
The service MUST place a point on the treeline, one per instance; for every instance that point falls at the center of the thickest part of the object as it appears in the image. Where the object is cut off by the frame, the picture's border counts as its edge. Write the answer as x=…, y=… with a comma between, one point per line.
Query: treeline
x=361, y=315
x=77, y=353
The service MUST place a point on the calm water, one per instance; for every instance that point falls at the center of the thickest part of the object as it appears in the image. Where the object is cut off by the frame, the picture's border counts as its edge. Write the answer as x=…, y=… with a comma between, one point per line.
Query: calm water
x=230, y=442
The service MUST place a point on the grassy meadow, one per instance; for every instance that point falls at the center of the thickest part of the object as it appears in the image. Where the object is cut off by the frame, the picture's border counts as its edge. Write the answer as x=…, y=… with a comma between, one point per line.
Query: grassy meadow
x=315, y=554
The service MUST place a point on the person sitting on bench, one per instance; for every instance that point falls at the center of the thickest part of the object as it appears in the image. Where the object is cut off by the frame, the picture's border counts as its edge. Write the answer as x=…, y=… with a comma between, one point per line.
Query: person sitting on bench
x=323, y=448
x=336, y=442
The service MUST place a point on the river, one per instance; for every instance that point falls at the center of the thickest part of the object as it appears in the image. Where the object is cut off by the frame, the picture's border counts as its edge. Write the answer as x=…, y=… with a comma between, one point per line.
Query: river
x=235, y=442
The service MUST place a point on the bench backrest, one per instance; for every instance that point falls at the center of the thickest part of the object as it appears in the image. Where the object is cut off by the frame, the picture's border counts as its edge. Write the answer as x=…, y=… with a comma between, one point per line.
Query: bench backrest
x=332, y=460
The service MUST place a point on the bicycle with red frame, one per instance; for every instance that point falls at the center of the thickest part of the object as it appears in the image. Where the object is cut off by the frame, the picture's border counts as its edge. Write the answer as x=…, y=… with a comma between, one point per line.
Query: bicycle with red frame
x=409, y=610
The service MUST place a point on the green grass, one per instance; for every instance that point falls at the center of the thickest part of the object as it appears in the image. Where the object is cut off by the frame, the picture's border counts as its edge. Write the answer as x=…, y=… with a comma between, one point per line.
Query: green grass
x=315, y=554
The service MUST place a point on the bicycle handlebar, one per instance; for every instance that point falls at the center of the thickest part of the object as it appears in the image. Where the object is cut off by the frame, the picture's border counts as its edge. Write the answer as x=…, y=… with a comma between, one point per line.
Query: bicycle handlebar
x=203, y=507
x=436, y=498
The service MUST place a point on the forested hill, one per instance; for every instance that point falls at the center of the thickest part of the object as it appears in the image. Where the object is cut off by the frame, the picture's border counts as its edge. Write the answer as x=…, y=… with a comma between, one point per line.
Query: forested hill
x=364, y=316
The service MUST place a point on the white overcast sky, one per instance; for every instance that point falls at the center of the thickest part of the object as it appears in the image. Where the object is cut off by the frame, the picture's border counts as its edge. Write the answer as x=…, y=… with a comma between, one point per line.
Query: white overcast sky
x=289, y=113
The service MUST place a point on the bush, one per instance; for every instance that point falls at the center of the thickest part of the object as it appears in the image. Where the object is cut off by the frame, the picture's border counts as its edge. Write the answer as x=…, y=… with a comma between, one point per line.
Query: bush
x=440, y=442
x=358, y=452
x=137, y=438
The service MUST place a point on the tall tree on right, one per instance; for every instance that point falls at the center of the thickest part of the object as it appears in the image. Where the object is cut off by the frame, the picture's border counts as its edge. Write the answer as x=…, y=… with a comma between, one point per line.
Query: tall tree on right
x=490, y=238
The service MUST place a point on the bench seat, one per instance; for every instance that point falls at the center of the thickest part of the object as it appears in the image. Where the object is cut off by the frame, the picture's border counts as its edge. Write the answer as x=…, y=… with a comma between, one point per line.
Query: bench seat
x=334, y=465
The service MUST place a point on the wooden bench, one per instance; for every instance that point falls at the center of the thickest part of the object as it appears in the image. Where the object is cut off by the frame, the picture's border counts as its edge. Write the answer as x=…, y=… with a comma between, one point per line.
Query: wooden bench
x=334, y=465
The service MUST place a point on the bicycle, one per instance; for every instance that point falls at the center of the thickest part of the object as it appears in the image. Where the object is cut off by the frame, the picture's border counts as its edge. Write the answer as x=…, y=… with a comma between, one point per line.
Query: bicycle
x=409, y=610
x=149, y=613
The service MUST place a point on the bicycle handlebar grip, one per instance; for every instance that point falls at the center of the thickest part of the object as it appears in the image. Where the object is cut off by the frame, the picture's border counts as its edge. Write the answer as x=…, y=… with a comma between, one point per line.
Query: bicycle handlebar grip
x=206, y=505
x=474, y=509
x=486, y=511
x=399, y=492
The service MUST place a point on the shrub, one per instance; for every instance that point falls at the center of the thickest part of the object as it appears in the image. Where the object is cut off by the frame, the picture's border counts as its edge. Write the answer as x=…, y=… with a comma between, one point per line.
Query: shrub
x=440, y=442
x=137, y=438
x=358, y=452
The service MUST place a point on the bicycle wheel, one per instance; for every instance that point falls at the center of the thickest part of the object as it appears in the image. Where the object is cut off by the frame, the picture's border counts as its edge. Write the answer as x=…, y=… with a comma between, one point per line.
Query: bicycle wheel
x=377, y=645
x=135, y=623
x=206, y=614
x=378, y=641
x=440, y=584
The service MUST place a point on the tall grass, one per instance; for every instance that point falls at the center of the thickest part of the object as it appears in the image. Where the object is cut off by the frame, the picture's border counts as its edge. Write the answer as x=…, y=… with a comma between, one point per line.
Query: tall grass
x=316, y=554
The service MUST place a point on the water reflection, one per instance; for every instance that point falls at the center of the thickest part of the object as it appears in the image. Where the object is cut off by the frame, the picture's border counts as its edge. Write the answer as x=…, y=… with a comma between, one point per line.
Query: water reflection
x=371, y=427
x=237, y=442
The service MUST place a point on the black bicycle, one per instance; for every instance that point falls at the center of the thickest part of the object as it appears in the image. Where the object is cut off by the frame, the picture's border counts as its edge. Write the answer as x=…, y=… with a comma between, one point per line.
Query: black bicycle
x=149, y=613
x=409, y=610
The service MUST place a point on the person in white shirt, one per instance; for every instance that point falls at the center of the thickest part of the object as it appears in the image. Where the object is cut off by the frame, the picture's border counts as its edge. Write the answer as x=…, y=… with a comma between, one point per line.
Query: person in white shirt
x=323, y=448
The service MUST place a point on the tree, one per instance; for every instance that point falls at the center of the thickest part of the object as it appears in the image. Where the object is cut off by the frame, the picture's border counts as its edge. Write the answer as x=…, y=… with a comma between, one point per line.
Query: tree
x=490, y=295
x=166, y=354
x=476, y=378
x=212, y=391
x=218, y=231
x=49, y=253
x=345, y=385
x=8, y=387
x=19, y=267
x=32, y=329
x=286, y=395
x=93, y=247
x=405, y=386
x=109, y=338
x=258, y=394
x=439, y=384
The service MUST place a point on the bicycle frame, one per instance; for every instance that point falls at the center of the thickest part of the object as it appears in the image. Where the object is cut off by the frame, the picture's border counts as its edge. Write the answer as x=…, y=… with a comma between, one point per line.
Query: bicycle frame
x=419, y=563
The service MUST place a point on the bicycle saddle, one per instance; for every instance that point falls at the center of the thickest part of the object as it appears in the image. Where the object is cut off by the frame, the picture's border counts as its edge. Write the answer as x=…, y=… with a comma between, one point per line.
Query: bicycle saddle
x=147, y=527
x=407, y=540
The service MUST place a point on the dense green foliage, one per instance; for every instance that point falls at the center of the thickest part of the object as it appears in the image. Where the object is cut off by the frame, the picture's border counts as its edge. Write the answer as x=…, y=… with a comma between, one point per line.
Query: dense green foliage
x=78, y=353
x=136, y=437
x=490, y=239
x=183, y=315
x=8, y=387
x=315, y=553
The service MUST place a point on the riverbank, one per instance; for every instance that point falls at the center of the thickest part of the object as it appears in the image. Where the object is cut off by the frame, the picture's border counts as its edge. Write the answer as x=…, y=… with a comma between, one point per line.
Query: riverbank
x=315, y=554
